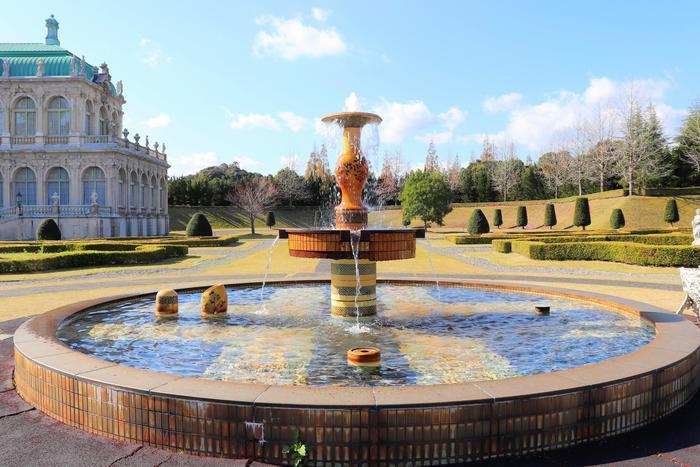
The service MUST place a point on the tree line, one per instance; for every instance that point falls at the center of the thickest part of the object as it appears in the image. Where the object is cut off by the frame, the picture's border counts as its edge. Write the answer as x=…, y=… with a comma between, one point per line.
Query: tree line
x=605, y=150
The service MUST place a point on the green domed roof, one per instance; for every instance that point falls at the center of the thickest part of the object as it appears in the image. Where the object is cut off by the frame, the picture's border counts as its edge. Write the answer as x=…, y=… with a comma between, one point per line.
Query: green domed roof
x=24, y=57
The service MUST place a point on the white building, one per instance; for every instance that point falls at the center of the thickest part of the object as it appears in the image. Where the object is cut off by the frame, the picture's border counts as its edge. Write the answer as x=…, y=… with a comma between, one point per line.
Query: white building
x=64, y=154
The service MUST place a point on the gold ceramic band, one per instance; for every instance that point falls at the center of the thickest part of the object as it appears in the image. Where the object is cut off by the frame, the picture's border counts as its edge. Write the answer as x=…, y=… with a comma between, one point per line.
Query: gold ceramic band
x=344, y=287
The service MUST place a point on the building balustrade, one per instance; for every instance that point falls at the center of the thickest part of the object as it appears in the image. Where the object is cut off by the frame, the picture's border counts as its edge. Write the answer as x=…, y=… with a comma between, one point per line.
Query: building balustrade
x=100, y=140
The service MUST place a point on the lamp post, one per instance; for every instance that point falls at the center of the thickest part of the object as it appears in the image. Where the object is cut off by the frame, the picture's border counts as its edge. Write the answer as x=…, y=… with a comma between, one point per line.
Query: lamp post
x=18, y=203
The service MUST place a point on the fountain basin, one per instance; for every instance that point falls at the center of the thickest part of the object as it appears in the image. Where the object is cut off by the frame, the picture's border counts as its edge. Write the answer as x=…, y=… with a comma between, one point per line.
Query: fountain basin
x=374, y=245
x=429, y=424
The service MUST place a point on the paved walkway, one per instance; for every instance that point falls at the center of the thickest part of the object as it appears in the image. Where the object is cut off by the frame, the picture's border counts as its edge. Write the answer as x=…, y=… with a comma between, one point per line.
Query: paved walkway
x=29, y=438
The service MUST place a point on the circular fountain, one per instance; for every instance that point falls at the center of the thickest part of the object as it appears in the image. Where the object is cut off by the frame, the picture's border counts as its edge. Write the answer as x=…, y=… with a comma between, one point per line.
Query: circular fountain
x=467, y=373
x=353, y=249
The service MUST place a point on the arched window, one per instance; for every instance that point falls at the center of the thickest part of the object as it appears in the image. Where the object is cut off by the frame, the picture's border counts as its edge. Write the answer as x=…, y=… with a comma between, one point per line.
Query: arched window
x=144, y=182
x=115, y=122
x=24, y=184
x=121, y=188
x=89, y=115
x=25, y=117
x=94, y=182
x=59, y=117
x=154, y=198
x=104, y=122
x=163, y=195
x=57, y=181
x=2, y=121
x=2, y=190
x=132, y=190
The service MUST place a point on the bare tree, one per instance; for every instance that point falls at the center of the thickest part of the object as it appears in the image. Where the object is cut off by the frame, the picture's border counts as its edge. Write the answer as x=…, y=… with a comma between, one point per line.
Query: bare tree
x=290, y=185
x=391, y=177
x=689, y=137
x=642, y=142
x=453, y=173
x=555, y=167
x=431, y=159
x=505, y=170
x=599, y=131
x=254, y=197
x=578, y=146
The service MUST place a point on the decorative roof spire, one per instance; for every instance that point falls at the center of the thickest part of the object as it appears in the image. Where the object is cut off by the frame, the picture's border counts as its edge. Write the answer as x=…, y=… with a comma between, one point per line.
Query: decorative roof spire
x=52, y=32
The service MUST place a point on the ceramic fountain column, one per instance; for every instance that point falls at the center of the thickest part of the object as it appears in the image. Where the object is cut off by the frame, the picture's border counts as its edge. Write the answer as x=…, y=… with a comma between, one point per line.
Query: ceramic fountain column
x=351, y=171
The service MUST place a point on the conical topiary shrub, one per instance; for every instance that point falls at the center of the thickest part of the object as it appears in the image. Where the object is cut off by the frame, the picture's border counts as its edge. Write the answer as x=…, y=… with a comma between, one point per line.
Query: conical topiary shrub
x=617, y=219
x=521, y=220
x=270, y=219
x=199, y=226
x=582, y=213
x=477, y=223
x=550, y=216
x=497, y=218
x=48, y=230
x=671, y=213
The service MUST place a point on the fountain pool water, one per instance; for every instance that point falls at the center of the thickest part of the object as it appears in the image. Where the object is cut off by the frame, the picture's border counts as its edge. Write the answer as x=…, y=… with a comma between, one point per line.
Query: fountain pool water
x=459, y=335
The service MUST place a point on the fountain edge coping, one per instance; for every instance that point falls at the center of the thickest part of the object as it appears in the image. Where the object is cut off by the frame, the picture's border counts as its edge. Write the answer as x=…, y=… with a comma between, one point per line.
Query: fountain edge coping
x=676, y=339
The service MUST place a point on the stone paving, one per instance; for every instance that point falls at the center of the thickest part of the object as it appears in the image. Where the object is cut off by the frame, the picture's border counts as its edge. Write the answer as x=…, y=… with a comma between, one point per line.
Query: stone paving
x=27, y=437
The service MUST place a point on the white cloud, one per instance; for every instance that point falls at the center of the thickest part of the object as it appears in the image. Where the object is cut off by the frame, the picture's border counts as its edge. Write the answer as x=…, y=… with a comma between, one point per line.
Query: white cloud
x=453, y=118
x=291, y=39
x=352, y=103
x=402, y=119
x=152, y=54
x=291, y=161
x=502, y=102
x=190, y=163
x=247, y=163
x=540, y=125
x=438, y=137
x=253, y=120
x=159, y=121
x=320, y=14
x=293, y=121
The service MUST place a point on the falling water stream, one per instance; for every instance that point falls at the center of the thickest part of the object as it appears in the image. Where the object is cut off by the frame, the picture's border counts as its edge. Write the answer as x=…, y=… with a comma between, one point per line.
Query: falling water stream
x=432, y=266
x=355, y=245
x=263, y=302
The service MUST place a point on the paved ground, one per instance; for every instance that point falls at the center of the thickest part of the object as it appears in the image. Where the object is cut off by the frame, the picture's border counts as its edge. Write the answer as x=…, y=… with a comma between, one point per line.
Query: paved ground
x=29, y=438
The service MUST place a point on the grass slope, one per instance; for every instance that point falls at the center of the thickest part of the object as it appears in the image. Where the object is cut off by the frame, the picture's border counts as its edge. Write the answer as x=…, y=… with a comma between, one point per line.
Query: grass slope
x=223, y=217
x=639, y=211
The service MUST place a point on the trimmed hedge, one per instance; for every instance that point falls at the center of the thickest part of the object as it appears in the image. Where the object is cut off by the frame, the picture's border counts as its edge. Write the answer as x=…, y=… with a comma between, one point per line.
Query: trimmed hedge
x=198, y=226
x=521, y=217
x=137, y=254
x=477, y=223
x=502, y=246
x=48, y=230
x=550, y=216
x=621, y=252
x=617, y=219
x=497, y=217
x=582, y=213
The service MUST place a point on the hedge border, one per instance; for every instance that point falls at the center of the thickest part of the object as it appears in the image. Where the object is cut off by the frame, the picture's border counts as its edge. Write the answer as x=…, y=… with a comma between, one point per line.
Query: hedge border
x=74, y=258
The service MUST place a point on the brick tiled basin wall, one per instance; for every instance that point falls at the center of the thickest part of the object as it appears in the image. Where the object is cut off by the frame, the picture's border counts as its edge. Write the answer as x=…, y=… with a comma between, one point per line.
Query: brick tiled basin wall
x=374, y=245
x=422, y=425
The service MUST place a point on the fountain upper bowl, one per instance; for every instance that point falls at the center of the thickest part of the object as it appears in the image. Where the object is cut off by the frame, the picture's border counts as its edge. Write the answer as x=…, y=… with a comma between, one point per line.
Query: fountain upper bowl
x=352, y=119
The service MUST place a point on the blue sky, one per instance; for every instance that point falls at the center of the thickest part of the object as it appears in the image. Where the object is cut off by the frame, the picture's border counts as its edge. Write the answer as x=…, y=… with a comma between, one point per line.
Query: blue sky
x=247, y=81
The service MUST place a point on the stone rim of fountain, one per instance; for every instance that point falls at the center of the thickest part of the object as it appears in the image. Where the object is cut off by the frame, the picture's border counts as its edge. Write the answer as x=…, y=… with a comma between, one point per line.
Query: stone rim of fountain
x=58, y=380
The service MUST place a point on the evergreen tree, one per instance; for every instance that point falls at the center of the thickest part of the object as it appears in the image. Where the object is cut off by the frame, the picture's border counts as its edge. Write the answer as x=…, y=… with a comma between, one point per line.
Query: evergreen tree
x=671, y=212
x=477, y=223
x=48, y=230
x=426, y=195
x=270, y=219
x=199, y=226
x=522, y=217
x=497, y=218
x=617, y=219
x=550, y=216
x=582, y=213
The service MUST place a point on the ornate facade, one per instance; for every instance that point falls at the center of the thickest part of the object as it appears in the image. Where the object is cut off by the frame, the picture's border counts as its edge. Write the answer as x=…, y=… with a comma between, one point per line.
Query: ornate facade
x=64, y=154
